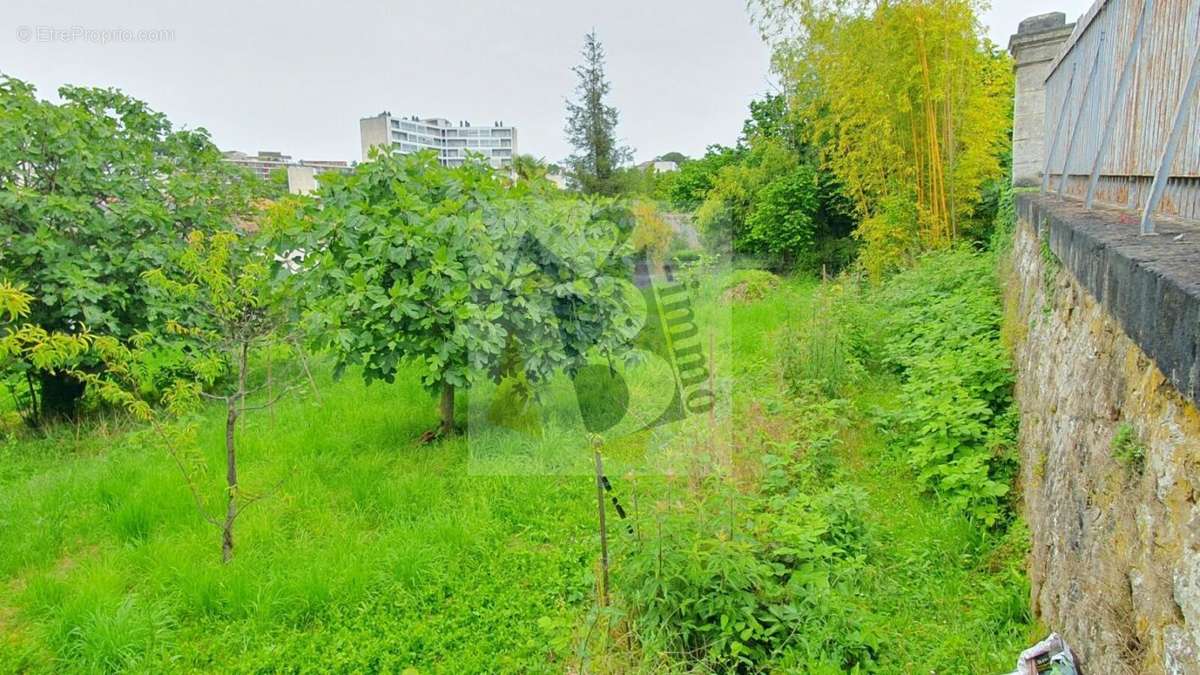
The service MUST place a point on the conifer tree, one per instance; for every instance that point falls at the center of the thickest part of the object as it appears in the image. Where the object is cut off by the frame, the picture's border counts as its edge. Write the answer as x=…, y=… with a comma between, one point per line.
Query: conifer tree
x=591, y=126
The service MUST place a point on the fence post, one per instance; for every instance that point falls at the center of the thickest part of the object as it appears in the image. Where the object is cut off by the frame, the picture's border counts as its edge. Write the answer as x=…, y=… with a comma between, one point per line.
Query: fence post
x=603, y=530
x=1119, y=97
x=1062, y=117
x=1168, y=156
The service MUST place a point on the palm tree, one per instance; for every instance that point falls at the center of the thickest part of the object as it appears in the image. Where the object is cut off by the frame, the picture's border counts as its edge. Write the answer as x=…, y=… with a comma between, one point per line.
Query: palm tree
x=528, y=167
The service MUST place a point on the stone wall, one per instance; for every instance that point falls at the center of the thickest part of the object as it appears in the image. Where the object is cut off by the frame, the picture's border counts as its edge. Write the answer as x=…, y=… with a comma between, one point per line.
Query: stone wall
x=1115, y=558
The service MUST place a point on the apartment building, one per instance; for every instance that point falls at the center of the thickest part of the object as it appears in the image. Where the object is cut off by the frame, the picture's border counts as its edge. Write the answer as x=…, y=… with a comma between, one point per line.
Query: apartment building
x=452, y=141
x=301, y=174
x=261, y=164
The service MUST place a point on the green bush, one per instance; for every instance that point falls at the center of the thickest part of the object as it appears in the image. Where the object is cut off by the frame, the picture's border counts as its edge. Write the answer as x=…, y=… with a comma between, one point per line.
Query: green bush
x=736, y=592
x=97, y=189
x=740, y=582
x=941, y=335
x=750, y=285
x=781, y=224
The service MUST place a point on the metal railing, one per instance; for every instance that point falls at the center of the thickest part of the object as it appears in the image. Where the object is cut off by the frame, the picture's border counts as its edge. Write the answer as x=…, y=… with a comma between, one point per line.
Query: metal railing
x=1123, y=117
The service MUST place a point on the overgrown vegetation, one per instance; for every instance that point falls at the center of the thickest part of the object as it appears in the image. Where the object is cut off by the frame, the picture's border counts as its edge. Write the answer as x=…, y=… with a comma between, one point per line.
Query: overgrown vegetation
x=901, y=389
x=817, y=549
x=826, y=348
x=736, y=579
x=853, y=512
x=915, y=108
x=372, y=553
x=942, y=337
x=767, y=199
x=94, y=192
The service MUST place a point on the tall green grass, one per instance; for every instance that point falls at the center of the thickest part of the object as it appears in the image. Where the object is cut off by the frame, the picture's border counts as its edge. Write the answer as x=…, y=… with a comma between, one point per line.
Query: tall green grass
x=105, y=564
x=374, y=553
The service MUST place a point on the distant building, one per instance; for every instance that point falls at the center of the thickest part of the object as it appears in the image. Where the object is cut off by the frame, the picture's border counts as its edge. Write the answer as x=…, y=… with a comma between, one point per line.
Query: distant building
x=301, y=174
x=555, y=175
x=301, y=180
x=262, y=164
x=659, y=166
x=323, y=165
x=497, y=143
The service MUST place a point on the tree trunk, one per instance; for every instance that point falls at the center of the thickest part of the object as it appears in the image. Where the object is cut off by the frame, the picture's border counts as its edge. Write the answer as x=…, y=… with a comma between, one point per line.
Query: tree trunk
x=233, y=408
x=447, y=409
x=60, y=396
x=231, y=481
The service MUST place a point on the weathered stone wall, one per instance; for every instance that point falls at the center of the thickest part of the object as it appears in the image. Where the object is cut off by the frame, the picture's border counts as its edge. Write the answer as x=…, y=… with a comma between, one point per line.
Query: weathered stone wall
x=1115, y=560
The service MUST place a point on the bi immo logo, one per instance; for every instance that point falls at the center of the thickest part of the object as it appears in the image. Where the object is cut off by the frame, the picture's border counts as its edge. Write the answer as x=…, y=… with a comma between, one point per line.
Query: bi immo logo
x=661, y=398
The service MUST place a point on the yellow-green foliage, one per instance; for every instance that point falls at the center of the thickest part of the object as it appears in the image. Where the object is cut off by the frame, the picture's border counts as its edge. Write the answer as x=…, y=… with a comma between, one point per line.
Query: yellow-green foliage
x=48, y=350
x=14, y=303
x=54, y=351
x=915, y=102
x=652, y=234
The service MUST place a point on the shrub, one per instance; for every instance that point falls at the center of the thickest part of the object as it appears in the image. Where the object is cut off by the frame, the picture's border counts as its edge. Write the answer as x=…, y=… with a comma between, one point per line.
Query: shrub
x=96, y=190
x=774, y=587
x=750, y=285
x=941, y=335
x=743, y=582
x=781, y=222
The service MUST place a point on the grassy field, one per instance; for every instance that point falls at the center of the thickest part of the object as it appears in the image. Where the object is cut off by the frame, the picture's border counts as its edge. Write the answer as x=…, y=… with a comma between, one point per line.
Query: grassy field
x=374, y=553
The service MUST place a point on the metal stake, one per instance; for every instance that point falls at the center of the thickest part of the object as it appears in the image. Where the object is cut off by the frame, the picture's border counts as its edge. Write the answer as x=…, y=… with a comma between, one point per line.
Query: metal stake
x=1062, y=180
x=1168, y=157
x=1122, y=87
x=1062, y=118
x=603, y=531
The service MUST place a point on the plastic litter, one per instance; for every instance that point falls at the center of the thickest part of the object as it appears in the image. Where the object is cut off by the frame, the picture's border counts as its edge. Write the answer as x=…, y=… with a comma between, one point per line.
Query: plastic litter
x=1051, y=656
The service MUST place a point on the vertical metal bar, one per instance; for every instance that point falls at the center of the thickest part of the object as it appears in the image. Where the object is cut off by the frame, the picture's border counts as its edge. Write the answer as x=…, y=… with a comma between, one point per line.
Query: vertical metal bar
x=1062, y=117
x=1118, y=98
x=1083, y=102
x=1168, y=157
x=603, y=530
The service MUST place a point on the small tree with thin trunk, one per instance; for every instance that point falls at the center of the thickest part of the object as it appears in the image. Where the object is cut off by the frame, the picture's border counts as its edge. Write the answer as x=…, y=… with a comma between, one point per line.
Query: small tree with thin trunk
x=238, y=322
x=458, y=274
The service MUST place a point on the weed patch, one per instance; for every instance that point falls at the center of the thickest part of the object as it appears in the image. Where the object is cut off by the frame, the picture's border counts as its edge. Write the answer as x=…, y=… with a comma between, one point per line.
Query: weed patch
x=1128, y=449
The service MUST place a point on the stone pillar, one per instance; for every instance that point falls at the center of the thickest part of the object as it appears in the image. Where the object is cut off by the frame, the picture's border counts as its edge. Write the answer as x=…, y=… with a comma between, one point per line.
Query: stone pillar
x=1038, y=41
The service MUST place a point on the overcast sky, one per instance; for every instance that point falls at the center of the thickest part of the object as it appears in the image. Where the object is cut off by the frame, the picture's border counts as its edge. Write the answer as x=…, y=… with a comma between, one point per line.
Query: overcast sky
x=296, y=75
